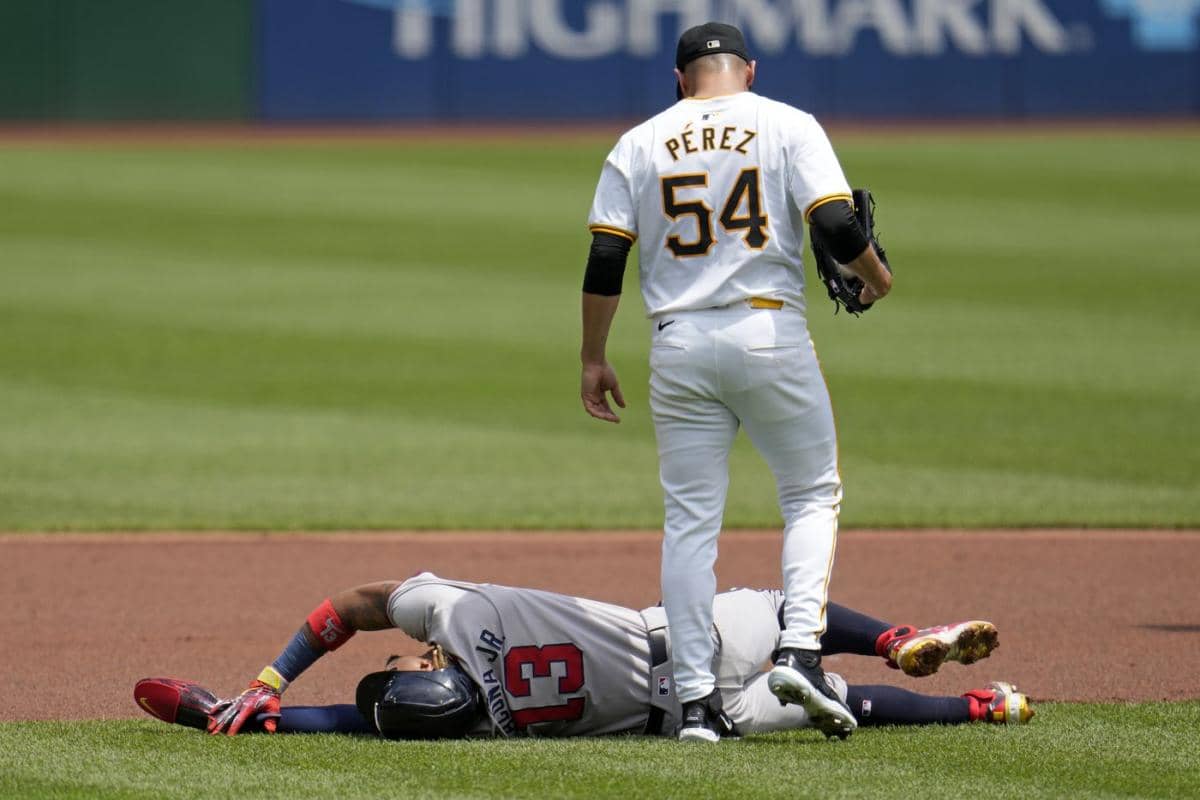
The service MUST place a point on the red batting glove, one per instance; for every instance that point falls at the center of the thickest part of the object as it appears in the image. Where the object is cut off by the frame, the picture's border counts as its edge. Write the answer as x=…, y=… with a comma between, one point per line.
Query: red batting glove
x=258, y=699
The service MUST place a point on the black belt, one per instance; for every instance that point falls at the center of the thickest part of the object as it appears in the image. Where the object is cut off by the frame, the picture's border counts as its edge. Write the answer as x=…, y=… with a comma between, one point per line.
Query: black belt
x=658, y=656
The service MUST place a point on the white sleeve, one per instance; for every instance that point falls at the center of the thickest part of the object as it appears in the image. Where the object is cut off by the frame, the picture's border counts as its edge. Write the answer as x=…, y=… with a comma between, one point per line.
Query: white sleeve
x=412, y=605
x=815, y=175
x=613, y=208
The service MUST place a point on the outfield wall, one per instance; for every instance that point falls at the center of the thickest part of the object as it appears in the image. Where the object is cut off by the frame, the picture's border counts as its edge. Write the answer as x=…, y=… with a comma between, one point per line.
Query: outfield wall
x=127, y=59
x=441, y=60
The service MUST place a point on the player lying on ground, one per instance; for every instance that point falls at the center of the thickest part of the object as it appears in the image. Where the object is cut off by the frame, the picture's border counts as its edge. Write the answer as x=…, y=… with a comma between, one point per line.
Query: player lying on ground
x=515, y=661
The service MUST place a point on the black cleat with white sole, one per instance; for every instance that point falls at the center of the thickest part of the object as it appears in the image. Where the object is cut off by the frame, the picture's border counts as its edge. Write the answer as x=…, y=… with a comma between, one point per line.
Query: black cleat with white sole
x=705, y=720
x=798, y=678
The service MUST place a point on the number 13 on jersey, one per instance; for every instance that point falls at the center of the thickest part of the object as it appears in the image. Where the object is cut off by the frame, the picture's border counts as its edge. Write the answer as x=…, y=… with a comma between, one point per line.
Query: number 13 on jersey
x=523, y=665
x=742, y=211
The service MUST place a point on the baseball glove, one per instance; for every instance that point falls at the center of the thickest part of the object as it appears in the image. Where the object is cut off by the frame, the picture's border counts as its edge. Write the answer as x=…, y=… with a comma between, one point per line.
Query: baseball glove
x=844, y=287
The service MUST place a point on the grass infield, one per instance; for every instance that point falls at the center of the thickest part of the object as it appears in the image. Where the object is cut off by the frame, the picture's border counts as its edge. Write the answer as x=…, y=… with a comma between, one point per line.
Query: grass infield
x=1148, y=750
x=385, y=335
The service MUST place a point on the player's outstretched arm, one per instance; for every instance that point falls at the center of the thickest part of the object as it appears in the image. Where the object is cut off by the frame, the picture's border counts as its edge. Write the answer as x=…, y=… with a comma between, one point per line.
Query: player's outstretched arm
x=328, y=627
x=364, y=608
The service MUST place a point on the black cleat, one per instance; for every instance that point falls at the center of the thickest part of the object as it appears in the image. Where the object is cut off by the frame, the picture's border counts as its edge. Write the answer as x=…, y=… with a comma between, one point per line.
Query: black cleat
x=798, y=678
x=705, y=720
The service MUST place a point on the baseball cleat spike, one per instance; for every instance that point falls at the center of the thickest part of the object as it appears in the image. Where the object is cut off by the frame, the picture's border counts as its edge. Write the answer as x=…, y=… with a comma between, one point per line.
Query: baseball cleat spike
x=922, y=652
x=798, y=678
x=975, y=643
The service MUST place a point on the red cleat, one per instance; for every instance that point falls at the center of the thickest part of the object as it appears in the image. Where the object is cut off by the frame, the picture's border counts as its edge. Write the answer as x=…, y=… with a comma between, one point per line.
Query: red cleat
x=1000, y=703
x=921, y=652
x=180, y=702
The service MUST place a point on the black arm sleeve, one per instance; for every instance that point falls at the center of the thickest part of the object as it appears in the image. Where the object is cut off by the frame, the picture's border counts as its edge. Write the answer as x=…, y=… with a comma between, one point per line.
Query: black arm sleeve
x=606, y=264
x=839, y=230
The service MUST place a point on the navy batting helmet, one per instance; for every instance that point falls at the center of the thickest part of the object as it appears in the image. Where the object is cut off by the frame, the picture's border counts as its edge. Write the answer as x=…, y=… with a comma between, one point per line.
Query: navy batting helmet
x=436, y=704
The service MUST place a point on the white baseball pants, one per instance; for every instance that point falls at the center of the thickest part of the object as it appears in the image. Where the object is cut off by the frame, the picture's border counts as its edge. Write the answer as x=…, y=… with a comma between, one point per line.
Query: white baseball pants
x=711, y=371
x=745, y=632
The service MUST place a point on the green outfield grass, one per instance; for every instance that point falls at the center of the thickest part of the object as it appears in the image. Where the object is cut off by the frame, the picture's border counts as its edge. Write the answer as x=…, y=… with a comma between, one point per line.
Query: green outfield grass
x=1148, y=750
x=385, y=335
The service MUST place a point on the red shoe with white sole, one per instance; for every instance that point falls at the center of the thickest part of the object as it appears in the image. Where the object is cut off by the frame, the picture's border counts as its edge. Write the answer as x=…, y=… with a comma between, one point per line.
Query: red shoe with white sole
x=920, y=652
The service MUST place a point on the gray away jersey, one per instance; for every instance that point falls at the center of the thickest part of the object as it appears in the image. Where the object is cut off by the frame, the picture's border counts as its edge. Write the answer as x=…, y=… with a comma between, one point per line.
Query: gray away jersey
x=547, y=664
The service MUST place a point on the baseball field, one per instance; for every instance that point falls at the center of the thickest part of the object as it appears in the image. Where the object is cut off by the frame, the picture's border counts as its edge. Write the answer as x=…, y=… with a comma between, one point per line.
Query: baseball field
x=208, y=337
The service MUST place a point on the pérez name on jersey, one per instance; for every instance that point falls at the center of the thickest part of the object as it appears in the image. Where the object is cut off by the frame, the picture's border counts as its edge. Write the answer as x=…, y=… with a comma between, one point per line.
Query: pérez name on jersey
x=730, y=138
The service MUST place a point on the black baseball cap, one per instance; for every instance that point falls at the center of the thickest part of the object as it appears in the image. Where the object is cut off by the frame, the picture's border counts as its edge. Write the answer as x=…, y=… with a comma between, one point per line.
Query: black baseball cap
x=709, y=39
x=706, y=40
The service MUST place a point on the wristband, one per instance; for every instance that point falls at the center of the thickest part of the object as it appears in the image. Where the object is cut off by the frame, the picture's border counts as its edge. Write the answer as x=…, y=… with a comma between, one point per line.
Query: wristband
x=328, y=627
x=271, y=677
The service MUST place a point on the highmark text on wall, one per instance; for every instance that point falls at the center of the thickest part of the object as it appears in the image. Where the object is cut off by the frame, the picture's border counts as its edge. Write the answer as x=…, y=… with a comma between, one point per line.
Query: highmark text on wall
x=590, y=59
x=397, y=59
x=507, y=29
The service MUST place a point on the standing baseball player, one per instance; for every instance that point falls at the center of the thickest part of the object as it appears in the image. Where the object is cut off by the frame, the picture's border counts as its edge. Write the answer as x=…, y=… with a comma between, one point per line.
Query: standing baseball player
x=719, y=187
x=514, y=661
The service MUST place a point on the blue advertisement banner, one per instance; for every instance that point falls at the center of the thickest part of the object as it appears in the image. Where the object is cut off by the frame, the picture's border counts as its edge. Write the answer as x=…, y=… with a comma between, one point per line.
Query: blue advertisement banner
x=594, y=59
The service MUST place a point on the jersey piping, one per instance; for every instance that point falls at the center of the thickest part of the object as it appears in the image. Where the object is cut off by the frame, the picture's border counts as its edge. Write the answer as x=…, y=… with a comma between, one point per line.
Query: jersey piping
x=632, y=237
x=824, y=200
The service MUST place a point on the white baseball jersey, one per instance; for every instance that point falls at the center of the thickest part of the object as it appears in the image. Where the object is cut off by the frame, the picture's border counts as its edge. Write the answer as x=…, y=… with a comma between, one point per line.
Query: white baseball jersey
x=718, y=191
x=552, y=665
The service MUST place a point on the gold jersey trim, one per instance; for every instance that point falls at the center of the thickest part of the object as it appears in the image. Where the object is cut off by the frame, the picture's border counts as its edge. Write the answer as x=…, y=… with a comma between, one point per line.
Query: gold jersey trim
x=820, y=201
x=632, y=237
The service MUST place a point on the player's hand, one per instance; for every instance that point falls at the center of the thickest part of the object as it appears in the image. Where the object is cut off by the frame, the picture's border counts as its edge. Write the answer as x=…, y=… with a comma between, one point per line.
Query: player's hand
x=878, y=288
x=882, y=287
x=594, y=385
x=258, y=699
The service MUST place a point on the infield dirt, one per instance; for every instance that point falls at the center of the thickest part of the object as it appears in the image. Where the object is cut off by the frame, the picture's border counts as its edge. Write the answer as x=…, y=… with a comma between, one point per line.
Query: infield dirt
x=1095, y=615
